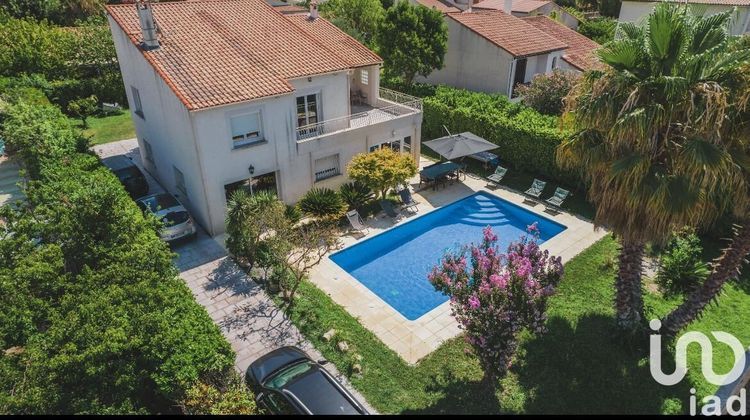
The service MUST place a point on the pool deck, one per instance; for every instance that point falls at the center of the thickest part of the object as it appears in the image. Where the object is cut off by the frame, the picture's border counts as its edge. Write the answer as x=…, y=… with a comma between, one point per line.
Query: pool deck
x=413, y=340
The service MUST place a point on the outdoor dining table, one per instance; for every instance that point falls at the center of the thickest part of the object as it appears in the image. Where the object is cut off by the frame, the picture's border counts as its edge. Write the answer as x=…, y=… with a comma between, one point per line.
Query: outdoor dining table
x=438, y=171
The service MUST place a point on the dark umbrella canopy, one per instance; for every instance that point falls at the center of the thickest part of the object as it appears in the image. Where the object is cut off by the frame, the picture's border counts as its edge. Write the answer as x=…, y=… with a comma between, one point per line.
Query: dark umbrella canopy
x=459, y=145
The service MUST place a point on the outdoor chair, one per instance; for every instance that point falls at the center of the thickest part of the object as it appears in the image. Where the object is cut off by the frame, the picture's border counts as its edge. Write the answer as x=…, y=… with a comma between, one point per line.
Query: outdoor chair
x=356, y=221
x=388, y=208
x=536, y=188
x=408, y=200
x=557, y=199
x=498, y=175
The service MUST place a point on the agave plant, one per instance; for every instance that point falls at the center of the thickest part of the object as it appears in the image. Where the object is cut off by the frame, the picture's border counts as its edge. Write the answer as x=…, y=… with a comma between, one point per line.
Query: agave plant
x=654, y=135
x=323, y=203
x=356, y=194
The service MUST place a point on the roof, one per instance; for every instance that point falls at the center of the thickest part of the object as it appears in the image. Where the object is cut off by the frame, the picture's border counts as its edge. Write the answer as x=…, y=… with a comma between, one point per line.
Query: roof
x=510, y=33
x=519, y=6
x=439, y=5
x=714, y=2
x=581, y=50
x=219, y=52
x=289, y=9
x=336, y=40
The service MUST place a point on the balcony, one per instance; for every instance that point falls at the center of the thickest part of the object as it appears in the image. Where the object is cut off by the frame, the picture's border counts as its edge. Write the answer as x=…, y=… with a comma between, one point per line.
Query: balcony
x=389, y=105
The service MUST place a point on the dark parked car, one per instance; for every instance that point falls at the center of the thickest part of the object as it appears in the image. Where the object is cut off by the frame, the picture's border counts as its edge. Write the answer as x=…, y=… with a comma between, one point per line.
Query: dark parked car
x=128, y=174
x=287, y=381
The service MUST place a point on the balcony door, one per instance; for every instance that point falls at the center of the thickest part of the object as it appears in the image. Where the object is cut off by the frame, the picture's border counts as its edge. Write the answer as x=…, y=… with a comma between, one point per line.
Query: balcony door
x=308, y=112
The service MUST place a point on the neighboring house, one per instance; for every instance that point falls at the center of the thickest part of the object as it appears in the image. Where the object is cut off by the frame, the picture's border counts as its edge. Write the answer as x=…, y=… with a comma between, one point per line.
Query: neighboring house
x=492, y=51
x=636, y=11
x=581, y=52
x=524, y=8
x=229, y=94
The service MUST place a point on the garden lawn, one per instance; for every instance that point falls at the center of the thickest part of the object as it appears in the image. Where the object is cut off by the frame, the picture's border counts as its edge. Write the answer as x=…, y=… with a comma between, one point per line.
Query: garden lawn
x=580, y=366
x=110, y=128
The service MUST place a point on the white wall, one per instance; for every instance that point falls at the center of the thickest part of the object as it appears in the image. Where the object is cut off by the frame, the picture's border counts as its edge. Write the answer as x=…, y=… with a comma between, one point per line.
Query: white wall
x=472, y=62
x=636, y=11
x=166, y=126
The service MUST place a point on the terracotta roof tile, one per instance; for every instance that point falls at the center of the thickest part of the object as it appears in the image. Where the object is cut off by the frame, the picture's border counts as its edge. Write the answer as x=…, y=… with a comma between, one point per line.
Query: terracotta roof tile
x=508, y=32
x=218, y=52
x=519, y=6
x=336, y=41
x=439, y=5
x=581, y=52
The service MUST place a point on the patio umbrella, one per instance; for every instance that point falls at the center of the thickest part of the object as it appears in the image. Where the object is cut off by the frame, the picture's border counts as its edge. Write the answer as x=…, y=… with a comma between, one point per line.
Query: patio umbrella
x=459, y=145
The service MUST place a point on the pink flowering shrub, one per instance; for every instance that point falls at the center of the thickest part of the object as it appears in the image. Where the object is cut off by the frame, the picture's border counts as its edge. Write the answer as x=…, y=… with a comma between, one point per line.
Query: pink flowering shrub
x=494, y=295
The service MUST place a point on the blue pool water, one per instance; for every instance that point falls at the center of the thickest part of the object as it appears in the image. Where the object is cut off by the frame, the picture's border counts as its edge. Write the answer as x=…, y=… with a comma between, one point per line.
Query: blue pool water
x=395, y=264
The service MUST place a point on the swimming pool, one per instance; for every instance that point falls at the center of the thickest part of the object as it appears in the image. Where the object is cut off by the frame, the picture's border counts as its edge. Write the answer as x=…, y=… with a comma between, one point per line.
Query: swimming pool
x=394, y=264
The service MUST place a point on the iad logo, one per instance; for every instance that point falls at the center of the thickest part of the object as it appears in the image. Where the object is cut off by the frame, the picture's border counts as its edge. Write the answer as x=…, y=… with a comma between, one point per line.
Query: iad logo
x=707, y=367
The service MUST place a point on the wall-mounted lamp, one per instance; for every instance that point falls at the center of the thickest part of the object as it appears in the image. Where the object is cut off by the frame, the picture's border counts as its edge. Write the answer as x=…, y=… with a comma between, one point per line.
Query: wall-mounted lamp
x=309, y=79
x=251, y=169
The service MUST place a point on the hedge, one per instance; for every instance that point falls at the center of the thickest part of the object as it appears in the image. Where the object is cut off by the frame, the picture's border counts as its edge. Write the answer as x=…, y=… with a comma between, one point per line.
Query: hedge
x=91, y=307
x=526, y=139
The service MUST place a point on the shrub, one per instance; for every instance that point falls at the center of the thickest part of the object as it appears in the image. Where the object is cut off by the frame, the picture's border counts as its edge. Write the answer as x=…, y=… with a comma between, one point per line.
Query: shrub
x=545, y=93
x=382, y=169
x=601, y=30
x=112, y=329
x=249, y=216
x=83, y=108
x=356, y=194
x=495, y=296
x=225, y=396
x=323, y=203
x=293, y=214
x=681, y=268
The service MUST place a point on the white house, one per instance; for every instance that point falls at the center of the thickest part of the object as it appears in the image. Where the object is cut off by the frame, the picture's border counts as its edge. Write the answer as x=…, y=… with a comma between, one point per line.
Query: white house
x=635, y=11
x=493, y=51
x=229, y=94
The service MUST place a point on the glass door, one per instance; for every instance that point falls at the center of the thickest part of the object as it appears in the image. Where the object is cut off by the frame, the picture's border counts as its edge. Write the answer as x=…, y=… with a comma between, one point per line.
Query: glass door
x=308, y=114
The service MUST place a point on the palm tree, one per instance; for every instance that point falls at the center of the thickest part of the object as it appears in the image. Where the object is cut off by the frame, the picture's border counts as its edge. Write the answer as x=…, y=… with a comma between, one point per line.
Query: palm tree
x=648, y=136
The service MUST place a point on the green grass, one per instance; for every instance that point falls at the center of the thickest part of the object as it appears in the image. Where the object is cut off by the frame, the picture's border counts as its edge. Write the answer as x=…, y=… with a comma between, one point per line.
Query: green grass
x=108, y=129
x=580, y=366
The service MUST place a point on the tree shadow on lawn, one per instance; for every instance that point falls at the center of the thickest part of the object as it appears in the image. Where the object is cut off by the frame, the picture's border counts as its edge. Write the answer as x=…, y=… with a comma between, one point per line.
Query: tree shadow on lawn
x=589, y=369
x=583, y=370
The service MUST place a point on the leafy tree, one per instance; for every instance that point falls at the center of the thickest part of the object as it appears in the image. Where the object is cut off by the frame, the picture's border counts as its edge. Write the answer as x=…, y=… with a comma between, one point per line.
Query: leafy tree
x=412, y=40
x=494, y=296
x=249, y=217
x=610, y=8
x=83, y=108
x=653, y=138
x=382, y=169
x=359, y=18
x=601, y=30
x=546, y=92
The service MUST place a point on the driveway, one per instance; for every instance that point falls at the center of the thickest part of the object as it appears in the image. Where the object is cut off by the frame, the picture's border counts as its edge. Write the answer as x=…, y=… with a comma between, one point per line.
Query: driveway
x=247, y=317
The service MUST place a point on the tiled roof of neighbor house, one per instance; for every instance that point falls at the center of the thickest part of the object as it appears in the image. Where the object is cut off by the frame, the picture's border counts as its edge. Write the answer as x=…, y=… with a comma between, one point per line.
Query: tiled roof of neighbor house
x=716, y=2
x=289, y=9
x=518, y=6
x=581, y=50
x=218, y=52
x=439, y=5
x=336, y=40
x=508, y=32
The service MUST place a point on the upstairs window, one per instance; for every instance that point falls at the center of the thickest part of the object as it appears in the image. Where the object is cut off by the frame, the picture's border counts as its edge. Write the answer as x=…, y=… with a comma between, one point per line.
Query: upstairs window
x=137, y=106
x=307, y=110
x=246, y=129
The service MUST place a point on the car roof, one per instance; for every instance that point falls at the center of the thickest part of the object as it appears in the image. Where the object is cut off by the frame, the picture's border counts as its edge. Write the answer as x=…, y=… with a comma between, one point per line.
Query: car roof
x=275, y=360
x=321, y=394
x=117, y=163
x=163, y=203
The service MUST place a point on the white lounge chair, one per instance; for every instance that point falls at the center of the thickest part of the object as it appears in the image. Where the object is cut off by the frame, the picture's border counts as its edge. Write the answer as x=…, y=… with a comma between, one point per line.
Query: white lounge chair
x=356, y=221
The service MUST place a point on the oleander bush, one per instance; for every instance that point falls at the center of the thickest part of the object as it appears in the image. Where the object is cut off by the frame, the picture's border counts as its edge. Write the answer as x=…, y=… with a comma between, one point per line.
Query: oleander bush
x=93, y=317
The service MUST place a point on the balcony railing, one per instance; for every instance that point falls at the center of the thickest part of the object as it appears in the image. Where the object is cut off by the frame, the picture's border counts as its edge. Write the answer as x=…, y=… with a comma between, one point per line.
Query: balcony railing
x=390, y=104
